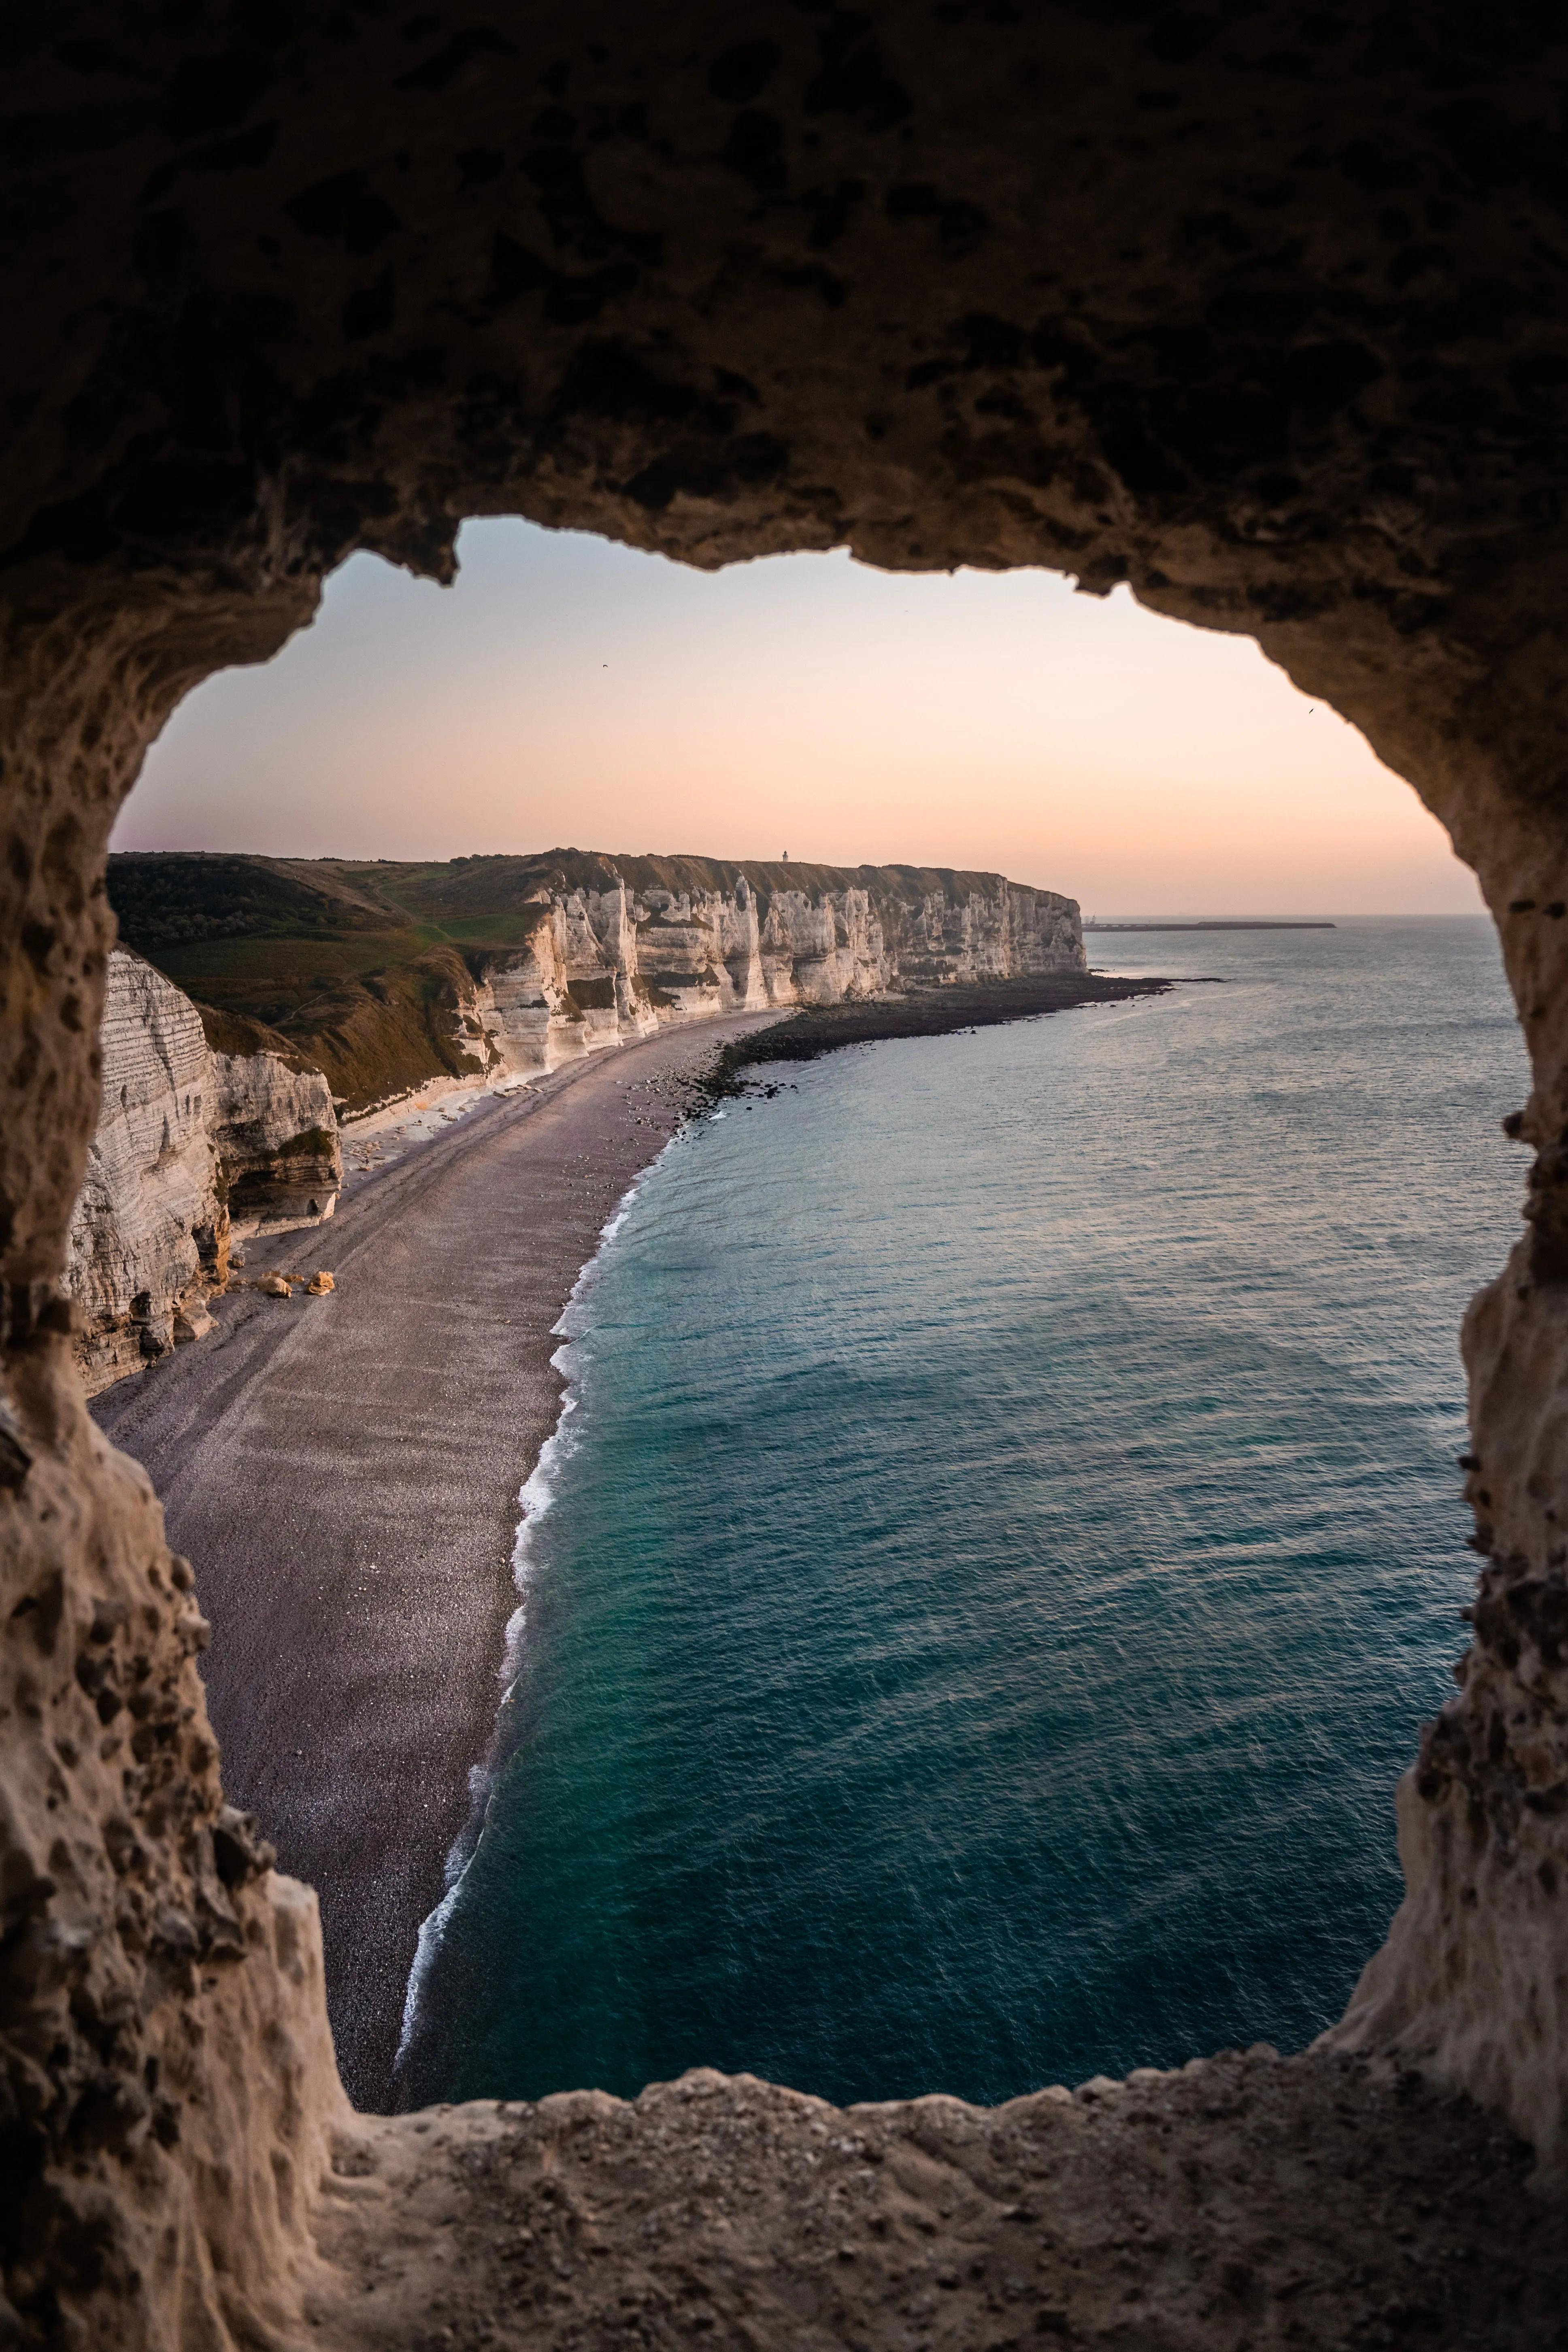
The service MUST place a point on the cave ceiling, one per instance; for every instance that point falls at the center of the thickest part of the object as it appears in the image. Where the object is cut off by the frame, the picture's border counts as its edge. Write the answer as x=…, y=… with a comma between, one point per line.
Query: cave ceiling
x=1259, y=307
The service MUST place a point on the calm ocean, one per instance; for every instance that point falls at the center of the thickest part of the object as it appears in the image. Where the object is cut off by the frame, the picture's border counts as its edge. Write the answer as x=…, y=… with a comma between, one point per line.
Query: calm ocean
x=1005, y=1540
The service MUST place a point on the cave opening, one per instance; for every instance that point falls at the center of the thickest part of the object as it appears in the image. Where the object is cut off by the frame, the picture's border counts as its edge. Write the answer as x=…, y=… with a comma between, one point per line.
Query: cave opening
x=1260, y=315
x=565, y=681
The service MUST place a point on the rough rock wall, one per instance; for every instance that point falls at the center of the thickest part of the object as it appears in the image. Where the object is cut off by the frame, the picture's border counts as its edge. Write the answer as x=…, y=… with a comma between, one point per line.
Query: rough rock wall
x=1261, y=310
x=192, y=1150
x=1473, y=1980
x=274, y=1138
x=157, y=2175
x=150, y=1236
x=603, y=965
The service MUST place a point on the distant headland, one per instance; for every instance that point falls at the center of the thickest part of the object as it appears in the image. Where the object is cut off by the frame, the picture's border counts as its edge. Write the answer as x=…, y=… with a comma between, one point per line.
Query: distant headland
x=389, y=976
x=1093, y=923
x=259, y=1003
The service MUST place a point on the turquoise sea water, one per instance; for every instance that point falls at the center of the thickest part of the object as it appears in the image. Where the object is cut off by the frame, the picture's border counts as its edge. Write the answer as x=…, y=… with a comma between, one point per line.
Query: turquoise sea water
x=1004, y=1542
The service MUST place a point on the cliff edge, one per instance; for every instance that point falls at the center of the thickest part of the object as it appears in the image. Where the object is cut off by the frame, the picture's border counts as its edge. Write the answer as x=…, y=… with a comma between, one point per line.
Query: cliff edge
x=389, y=976
x=635, y=944
x=194, y=1149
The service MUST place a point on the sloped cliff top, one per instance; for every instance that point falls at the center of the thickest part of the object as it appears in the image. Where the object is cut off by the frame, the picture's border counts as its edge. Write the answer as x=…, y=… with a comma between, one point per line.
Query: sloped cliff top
x=179, y=899
x=475, y=881
x=175, y=898
x=361, y=967
x=267, y=937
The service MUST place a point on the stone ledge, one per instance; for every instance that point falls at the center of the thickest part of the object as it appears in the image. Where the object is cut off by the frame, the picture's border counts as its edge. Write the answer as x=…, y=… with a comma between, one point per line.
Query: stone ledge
x=1244, y=2200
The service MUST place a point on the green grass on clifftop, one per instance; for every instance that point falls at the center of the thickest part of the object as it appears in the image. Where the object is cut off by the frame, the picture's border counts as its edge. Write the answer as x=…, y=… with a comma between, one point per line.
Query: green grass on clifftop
x=357, y=968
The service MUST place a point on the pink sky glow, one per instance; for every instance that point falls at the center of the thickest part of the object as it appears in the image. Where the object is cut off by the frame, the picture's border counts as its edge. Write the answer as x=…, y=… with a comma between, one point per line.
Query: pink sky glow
x=569, y=691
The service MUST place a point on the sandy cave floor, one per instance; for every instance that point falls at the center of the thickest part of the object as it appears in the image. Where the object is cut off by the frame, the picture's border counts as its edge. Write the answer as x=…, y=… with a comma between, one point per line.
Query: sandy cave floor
x=1245, y=2201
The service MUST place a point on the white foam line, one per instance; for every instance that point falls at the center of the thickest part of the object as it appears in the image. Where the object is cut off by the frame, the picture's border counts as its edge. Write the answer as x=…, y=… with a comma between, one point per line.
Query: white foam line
x=536, y=1497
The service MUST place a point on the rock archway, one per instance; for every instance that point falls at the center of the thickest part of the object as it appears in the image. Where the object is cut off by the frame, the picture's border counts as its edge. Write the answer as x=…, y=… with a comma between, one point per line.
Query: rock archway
x=1260, y=310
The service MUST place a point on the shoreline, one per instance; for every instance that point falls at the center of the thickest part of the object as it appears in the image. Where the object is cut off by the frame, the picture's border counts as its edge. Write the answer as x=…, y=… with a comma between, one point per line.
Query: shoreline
x=535, y=1499
x=345, y=1472
x=943, y=1011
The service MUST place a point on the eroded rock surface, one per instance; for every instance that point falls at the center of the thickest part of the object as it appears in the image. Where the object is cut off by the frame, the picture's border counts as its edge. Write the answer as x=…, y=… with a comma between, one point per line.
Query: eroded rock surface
x=169, y=2082
x=192, y=1150
x=1260, y=310
x=664, y=941
x=1246, y=2201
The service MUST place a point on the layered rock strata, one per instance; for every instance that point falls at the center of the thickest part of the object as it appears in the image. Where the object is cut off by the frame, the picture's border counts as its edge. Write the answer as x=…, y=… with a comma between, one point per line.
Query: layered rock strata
x=192, y=1150
x=628, y=953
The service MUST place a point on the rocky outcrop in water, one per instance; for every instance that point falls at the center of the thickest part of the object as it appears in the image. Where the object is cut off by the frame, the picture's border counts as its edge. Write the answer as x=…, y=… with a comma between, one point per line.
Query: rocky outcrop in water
x=194, y=1149
x=637, y=944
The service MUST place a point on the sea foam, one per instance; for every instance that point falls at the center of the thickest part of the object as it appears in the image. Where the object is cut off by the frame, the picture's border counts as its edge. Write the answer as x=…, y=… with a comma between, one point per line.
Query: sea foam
x=536, y=1499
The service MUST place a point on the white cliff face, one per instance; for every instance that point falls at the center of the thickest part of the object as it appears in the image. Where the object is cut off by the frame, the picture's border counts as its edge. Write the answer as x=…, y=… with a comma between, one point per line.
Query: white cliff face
x=275, y=1136
x=825, y=952
x=148, y=1215
x=993, y=935
x=191, y=1149
x=601, y=967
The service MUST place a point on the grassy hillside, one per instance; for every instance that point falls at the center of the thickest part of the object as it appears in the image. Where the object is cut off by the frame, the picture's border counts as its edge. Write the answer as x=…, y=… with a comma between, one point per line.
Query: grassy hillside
x=488, y=890
x=320, y=953
x=357, y=968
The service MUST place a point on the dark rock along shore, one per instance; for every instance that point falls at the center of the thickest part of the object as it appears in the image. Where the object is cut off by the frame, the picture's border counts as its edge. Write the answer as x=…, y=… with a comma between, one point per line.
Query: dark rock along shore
x=920, y=1012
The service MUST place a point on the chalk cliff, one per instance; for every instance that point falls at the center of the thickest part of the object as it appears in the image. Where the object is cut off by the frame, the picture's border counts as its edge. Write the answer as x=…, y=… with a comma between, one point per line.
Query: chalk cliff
x=619, y=948
x=194, y=1147
x=390, y=976
x=214, y=1124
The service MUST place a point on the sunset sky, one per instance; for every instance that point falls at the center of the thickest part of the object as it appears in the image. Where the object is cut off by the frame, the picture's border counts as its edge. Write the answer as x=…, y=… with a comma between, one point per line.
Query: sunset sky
x=569, y=691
